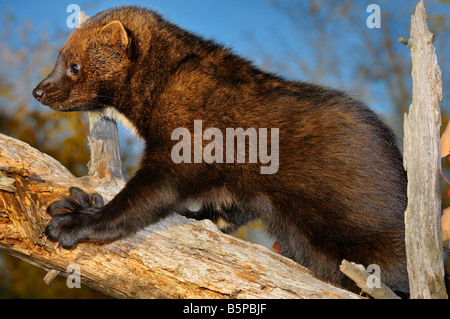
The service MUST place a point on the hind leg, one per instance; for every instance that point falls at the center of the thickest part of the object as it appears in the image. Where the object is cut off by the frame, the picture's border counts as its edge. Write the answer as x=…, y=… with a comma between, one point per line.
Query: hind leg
x=322, y=260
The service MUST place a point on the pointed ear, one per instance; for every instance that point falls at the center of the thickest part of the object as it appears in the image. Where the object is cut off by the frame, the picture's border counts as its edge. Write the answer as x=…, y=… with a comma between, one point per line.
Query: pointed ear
x=114, y=34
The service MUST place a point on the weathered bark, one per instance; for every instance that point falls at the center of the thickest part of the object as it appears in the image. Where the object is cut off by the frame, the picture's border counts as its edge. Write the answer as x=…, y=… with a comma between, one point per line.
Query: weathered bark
x=176, y=258
x=105, y=166
x=423, y=166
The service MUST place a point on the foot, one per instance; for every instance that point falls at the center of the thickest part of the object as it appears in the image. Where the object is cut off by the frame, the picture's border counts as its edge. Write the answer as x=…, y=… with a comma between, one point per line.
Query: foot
x=74, y=218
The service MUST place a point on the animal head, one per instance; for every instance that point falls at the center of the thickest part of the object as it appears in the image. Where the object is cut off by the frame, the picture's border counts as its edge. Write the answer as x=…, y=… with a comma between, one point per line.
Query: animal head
x=89, y=69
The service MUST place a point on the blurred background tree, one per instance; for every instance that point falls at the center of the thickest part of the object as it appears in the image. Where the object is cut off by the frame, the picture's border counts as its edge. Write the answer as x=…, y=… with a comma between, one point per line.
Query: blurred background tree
x=321, y=41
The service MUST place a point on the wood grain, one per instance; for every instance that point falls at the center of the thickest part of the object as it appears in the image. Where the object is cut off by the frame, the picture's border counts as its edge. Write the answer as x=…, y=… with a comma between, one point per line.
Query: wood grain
x=422, y=162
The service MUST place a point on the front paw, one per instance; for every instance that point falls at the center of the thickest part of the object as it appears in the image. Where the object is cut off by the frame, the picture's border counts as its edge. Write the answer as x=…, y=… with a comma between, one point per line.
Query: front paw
x=73, y=218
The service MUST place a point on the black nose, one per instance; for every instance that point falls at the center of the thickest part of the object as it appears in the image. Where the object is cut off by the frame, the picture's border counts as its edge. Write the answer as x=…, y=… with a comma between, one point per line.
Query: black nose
x=38, y=94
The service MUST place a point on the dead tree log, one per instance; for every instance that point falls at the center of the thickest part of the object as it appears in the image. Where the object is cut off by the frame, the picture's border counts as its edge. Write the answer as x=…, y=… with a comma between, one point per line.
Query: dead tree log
x=422, y=163
x=176, y=258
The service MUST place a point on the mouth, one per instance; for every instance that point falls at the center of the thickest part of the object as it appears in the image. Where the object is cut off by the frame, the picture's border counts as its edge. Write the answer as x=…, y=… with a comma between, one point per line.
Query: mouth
x=58, y=101
x=77, y=108
x=65, y=106
x=62, y=101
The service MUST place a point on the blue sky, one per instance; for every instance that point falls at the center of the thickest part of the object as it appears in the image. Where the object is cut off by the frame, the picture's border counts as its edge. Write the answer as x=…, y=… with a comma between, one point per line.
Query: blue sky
x=228, y=22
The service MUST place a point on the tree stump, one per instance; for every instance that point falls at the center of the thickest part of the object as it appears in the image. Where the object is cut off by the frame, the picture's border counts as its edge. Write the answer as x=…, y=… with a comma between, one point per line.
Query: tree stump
x=422, y=162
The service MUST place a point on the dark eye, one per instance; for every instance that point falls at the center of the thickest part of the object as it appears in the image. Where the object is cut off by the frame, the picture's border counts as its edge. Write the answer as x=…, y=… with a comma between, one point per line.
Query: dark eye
x=74, y=69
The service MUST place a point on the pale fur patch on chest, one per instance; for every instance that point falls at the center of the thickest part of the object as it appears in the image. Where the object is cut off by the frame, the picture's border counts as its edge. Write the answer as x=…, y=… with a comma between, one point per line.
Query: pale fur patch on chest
x=112, y=113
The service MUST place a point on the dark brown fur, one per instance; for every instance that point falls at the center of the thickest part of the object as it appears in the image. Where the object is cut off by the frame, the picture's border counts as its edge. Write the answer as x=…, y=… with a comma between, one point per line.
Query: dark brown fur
x=340, y=191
